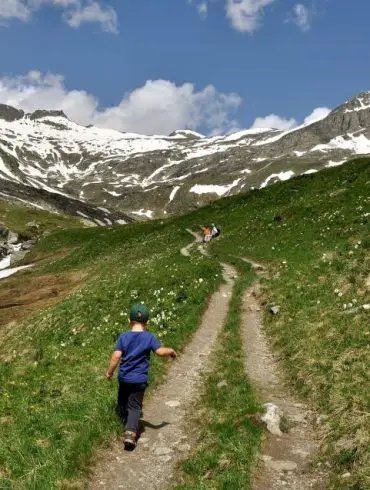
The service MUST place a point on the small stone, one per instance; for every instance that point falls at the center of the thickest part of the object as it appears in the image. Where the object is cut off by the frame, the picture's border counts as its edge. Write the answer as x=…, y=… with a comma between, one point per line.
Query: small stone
x=165, y=459
x=272, y=418
x=275, y=309
x=183, y=448
x=346, y=475
x=162, y=451
x=221, y=384
x=172, y=403
x=282, y=465
x=266, y=457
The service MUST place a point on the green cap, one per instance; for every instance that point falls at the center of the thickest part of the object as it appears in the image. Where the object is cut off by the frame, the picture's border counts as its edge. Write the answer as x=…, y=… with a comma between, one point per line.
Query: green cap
x=139, y=313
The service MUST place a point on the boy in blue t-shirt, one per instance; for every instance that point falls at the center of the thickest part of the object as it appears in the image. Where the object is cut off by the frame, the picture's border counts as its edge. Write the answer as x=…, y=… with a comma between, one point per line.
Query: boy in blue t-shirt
x=133, y=350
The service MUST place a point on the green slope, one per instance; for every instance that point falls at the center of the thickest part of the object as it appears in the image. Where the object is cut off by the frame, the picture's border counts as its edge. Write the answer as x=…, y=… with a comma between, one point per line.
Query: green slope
x=55, y=403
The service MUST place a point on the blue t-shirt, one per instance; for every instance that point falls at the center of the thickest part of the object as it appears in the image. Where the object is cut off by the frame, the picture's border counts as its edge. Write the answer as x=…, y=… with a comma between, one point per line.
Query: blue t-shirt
x=136, y=348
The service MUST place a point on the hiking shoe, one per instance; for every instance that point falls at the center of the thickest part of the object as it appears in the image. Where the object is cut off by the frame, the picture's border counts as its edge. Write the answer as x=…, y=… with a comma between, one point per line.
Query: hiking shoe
x=129, y=440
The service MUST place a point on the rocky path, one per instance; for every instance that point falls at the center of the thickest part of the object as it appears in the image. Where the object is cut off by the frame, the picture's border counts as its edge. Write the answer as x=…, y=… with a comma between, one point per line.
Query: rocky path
x=286, y=457
x=196, y=243
x=166, y=438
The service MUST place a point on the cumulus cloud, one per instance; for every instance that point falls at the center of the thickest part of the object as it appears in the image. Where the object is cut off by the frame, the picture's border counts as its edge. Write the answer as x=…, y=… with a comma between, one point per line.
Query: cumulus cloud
x=159, y=106
x=75, y=12
x=275, y=122
x=93, y=12
x=301, y=16
x=14, y=9
x=245, y=15
x=316, y=115
x=202, y=9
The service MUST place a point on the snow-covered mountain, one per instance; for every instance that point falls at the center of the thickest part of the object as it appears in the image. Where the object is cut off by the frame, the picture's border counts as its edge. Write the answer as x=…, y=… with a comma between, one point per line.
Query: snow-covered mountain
x=53, y=161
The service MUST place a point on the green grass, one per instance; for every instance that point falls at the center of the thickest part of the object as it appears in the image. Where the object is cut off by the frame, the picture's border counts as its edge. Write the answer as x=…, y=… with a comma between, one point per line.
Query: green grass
x=17, y=216
x=56, y=407
x=55, y=404
x=227, y=439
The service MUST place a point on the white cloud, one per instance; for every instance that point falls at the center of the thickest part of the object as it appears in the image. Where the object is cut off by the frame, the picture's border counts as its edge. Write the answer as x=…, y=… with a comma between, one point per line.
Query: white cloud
x=75, y=12
x=245, y=15
x=302, y=17
x=316, y=115
x=14, y=9
x=93, y=12
x=159, y=106
x=274, y=121
x=202, y=9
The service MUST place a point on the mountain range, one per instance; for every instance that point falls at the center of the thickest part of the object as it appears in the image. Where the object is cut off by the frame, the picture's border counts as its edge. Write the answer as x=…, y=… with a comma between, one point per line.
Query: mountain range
x=105, y=176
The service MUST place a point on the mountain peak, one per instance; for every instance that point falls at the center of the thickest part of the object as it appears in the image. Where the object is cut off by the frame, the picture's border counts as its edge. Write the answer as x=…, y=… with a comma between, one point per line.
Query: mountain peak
x=359, y=102
x=40, y=114
x=186, y=133
x=10, y=114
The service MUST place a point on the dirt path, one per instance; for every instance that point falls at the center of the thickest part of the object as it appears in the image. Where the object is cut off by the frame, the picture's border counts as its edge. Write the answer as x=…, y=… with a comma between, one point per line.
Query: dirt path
x=197, y=240
x=285, y=458
x=166, y=438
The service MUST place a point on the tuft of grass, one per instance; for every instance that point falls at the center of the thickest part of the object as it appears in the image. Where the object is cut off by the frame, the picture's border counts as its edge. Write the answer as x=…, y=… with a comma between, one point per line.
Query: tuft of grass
x=227, y=438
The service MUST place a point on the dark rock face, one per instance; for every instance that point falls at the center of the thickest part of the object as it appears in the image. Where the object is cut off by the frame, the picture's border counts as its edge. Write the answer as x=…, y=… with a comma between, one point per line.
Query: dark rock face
x=39, y=114
x=64, y=166
x=10, y=114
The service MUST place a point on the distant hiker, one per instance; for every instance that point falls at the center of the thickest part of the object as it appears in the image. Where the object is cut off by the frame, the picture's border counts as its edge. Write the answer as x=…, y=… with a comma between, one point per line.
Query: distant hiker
x=133, y=353
x=207, y=234
x=216, y=230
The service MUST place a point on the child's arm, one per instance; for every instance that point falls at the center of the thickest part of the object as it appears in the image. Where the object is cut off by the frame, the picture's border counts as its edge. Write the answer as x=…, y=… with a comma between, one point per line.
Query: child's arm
x=116, y=357
x=166, y=352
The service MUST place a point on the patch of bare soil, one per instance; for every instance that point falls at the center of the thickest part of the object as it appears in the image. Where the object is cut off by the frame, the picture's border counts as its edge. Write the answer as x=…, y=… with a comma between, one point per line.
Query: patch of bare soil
x=167, y=438
x=26, y=292
x=286, y=459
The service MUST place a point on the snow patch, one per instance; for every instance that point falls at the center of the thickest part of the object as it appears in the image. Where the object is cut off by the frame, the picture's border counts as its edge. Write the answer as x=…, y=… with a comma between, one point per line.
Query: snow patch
x=281, y=176
x=148, y=213
x=331, y=163
x=173, y=192
x=220, y=190
x=4, y=263
x=9, y=272
x=310, y=171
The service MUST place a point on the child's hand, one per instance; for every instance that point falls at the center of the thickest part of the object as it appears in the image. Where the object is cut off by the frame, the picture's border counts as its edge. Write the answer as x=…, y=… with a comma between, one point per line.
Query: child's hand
x=109, y=376
x=173, y=354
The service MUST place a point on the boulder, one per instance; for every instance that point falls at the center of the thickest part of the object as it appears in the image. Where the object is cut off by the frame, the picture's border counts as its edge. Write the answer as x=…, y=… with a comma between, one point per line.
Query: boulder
x=17, y=257
x=12, y=237
x=28, y=244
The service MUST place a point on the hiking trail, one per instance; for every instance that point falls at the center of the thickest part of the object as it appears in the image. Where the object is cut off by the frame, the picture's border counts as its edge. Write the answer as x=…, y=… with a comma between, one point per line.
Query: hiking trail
x=285, y=459
x=166, y=439
x=197, y=240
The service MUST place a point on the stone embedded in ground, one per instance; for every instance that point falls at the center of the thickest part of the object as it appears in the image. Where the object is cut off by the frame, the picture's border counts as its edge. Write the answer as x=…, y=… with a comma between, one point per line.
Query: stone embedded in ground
x=162, y=451
x=165, y=459
x=222, y=384
x=278, y=465
x=172, y=403
x=183, y=448
x=275, y=309
x=272, y=418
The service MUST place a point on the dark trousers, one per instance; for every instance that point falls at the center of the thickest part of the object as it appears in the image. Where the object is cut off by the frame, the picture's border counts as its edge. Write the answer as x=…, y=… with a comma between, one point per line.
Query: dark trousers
x=130, y=404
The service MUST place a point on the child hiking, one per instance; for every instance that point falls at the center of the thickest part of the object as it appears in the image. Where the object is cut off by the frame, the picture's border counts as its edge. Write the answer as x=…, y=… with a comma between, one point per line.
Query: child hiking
x=133, y=353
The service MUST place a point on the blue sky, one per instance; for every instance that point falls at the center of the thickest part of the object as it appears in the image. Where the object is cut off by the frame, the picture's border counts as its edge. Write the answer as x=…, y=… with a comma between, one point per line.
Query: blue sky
x=156, y=65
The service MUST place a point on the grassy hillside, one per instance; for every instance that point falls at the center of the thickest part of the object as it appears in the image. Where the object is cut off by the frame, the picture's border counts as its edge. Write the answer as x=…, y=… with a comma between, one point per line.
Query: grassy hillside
x=319, y=263
x=18, y=218
x=56, y=406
